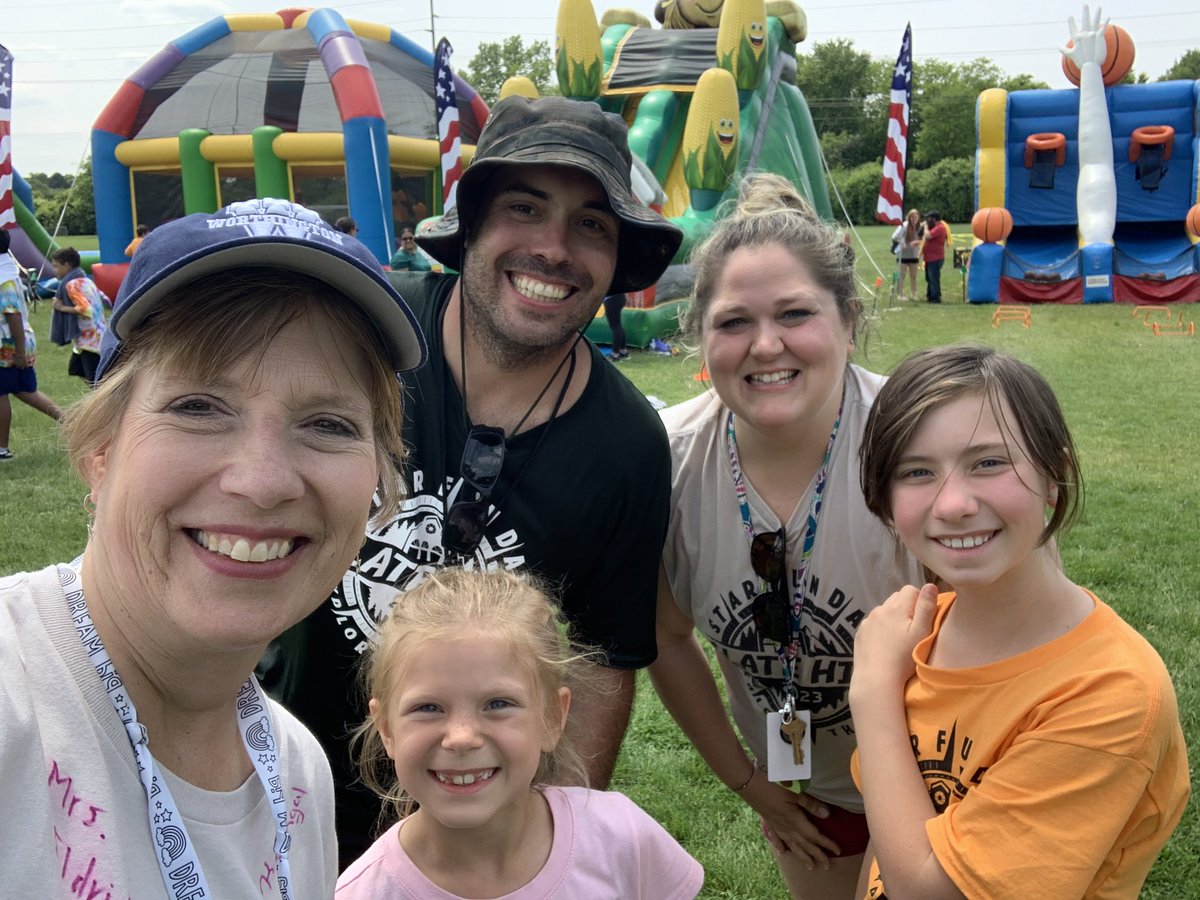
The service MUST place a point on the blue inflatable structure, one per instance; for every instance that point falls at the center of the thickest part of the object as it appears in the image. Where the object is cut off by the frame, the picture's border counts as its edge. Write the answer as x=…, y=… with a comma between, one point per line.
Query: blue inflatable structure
x=1027, y=161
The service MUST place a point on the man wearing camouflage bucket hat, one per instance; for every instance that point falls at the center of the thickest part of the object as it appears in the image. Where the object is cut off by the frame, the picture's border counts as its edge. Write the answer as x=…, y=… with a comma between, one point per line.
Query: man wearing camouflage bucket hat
x=527, y=450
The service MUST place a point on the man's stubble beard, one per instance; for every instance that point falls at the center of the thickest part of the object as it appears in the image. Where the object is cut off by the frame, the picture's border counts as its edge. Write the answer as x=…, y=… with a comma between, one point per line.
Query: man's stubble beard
x=498, y=340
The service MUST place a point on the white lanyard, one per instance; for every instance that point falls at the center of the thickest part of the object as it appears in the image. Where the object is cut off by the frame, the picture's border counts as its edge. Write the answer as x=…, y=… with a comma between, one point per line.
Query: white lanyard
x=176, y=855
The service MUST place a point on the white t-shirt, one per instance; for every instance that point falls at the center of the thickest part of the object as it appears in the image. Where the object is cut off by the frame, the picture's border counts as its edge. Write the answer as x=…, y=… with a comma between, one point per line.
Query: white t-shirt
x=856, y=564
x=9, y=270
x=605, y=848
x=77, y=820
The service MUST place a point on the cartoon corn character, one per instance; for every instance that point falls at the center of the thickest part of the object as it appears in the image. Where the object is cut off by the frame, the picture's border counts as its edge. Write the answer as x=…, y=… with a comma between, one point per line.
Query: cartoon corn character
x=741, y=40
x=710, y=138
x=577, y=50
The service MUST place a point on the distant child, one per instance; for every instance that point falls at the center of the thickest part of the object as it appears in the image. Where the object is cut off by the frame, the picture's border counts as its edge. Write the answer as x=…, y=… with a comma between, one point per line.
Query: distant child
x=346, y=225
x=1016, y=738
x=906, y=244
x=78, y=296
x=18, y=349
x=468, y=702
x=131, y=247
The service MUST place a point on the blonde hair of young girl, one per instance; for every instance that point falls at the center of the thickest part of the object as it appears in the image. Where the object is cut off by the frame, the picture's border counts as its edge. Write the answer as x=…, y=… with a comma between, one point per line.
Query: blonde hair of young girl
x=454, y=603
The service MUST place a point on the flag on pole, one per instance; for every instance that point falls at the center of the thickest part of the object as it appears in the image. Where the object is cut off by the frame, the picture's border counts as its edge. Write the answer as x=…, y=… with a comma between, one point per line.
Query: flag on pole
x=890, y=208
x=447, y=117
x=8, y=216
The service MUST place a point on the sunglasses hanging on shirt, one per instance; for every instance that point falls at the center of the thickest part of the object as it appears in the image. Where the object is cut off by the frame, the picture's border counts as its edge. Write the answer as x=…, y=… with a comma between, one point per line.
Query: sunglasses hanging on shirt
x=484, y=450
x=772, y=608
x=482, y=460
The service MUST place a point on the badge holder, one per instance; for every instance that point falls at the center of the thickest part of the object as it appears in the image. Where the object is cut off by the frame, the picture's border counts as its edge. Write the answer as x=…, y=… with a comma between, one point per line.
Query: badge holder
x=789, y=744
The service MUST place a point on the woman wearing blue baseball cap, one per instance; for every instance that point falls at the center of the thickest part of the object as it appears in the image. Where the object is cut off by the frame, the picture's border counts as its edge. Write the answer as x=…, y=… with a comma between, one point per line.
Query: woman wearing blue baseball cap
x=246, y=409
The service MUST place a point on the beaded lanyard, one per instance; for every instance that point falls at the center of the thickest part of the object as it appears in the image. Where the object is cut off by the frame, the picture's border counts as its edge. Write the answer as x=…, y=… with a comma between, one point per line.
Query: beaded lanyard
x=787, y=652
x=176, y=855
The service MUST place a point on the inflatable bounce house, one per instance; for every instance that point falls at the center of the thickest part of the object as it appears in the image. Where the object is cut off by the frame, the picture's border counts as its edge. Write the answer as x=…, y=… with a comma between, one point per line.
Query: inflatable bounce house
x=1084, y=195
x=31, y=244
x=708, y=96
x=334, y=113
x=339, y=115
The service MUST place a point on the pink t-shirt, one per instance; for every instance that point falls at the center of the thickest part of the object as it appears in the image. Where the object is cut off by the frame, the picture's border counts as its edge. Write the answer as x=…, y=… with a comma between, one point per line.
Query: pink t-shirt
x=605, y=848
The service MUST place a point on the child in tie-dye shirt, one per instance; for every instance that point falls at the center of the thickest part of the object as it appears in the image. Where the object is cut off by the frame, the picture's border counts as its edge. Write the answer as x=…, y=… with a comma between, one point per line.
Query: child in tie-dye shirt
x=78, y=295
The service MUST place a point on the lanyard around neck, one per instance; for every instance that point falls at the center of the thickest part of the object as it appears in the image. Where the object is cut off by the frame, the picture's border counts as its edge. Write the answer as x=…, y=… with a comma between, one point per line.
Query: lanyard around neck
x=789, y=651
x=462, y=362
x=175, y=852
x=568, y=361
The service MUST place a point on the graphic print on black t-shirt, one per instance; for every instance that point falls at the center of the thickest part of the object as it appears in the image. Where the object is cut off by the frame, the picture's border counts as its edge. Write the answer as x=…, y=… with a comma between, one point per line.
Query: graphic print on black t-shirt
x=398, y=554
x=825, y=657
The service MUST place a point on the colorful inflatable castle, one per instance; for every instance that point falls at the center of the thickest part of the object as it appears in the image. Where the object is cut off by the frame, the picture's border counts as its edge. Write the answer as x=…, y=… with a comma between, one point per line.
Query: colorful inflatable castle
x=1084, y=194
x=301, y=104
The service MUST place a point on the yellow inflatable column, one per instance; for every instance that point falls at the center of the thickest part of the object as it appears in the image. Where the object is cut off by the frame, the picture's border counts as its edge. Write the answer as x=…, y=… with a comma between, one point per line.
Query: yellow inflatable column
x=577, y=50
x=710, y=138
x=741, y=40
x=991, y=121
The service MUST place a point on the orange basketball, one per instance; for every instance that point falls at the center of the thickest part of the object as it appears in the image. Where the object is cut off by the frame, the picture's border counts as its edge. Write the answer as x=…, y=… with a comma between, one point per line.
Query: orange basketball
x=1117, y=62
x=992, y=224
x=1193, y=221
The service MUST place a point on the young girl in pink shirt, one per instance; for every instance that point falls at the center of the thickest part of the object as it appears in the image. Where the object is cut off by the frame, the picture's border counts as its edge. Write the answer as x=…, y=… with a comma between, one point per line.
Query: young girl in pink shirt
x=465, y=738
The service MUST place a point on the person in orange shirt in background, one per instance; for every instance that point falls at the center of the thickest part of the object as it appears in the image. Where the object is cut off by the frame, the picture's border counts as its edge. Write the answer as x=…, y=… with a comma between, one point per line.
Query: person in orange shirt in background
x=1016, y=738
x=142, y=231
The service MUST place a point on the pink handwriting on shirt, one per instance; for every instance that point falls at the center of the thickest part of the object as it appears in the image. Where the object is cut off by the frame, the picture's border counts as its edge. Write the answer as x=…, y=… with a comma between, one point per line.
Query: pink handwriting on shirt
x=266, y=881
x=296, y=814
x=81, y=875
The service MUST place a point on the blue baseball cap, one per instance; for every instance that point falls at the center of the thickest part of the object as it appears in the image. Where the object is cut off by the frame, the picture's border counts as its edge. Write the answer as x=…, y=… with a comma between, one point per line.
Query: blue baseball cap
x=265, y=232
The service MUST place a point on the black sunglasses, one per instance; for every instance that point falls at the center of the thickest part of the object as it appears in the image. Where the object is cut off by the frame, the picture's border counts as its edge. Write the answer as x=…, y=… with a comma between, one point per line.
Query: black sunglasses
x=772, y=609
x=482, y=460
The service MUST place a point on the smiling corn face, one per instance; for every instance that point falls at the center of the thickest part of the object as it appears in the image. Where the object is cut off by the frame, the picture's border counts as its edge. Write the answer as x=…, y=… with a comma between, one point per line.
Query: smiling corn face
x=741, y=39
x=710, y=137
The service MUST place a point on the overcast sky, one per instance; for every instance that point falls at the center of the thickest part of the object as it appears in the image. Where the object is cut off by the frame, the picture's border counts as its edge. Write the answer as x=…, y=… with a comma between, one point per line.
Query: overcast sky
x=72, y=55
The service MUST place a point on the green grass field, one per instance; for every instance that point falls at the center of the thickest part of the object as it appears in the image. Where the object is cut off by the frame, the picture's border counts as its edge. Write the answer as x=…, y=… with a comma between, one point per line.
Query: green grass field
x=1131, y=401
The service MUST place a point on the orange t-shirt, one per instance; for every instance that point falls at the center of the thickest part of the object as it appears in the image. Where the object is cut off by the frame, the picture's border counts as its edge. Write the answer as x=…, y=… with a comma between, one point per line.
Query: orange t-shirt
x=1059, y=772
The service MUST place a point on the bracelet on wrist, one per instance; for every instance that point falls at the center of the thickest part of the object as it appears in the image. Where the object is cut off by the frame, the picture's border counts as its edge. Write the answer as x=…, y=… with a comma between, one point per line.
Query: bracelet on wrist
x=745, y=784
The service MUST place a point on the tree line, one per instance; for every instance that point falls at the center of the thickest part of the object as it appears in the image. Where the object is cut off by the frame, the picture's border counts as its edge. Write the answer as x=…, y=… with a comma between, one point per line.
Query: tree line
x=847, y=92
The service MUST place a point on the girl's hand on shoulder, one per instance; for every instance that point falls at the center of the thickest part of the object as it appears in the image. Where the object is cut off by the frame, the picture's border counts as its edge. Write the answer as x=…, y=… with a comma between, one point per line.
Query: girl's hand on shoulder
x=884, y=643
x=784, y=821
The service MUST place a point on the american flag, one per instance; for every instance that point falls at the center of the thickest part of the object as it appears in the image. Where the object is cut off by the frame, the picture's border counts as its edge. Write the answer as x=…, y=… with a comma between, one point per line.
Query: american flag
x=890, y=208
x=447, y=116
x=8, y=216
